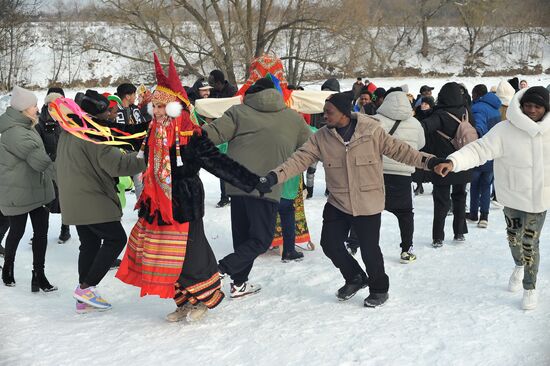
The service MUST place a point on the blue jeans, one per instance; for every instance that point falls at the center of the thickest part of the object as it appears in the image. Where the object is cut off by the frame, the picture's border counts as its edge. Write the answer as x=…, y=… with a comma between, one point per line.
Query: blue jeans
x=480, y=193
x=288, y=224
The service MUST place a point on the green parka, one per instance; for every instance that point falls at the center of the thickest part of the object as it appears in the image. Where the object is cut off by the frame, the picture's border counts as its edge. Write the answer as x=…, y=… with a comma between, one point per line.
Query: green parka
x=86, y=179
x=26, y=170
x=262, y=133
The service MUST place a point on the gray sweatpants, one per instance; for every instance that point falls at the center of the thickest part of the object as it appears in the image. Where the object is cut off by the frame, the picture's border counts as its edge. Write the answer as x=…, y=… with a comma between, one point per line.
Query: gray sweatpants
x=523, y=229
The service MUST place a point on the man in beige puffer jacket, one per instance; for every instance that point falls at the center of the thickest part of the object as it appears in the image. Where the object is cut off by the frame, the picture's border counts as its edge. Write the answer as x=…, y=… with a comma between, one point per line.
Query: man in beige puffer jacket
x=351, y=148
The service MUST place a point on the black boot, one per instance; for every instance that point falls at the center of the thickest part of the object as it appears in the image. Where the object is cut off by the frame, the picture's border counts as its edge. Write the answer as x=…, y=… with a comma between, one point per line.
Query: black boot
x=309, y=192
x=40, y=282
x=293, y=256
x=115, y=264
x=374, y=300
x=224, y=201
x=7, y=274
x=347, y=291
x=65, y=234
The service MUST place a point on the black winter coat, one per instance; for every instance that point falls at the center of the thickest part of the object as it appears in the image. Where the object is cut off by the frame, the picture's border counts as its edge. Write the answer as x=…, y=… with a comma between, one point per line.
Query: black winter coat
x=49, y=130
x=450, y=99
x=187, y=188
x=229, y=90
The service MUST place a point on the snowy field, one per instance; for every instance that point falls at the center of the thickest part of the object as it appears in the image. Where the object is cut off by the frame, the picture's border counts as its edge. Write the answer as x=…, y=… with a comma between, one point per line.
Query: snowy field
x=450, y=307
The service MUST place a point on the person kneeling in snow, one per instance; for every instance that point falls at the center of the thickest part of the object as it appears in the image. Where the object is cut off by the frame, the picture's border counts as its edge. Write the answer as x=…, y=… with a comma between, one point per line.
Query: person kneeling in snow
x=519, y=147
x=351, y=148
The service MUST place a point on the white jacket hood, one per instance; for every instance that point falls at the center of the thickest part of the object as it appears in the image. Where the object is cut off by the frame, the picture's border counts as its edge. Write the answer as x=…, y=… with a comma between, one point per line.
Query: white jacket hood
x=520, y=148
x=396, y=106
x=516, y=117
x=505, y=92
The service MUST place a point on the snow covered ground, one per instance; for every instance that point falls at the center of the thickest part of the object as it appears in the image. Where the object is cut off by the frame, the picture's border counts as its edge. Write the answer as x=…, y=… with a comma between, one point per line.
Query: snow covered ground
x=451, y=307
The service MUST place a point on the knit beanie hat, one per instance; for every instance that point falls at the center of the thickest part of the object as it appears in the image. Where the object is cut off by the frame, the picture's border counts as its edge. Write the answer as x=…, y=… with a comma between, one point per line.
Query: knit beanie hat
x=378, y=93
x=22, y=99
x=331, y=84
x=342, y=102
x=57, y=90
x=391, y=90
x=428, y=100
x=365, y=90
x=537, y=95
x=259, y=85
x=515, y=83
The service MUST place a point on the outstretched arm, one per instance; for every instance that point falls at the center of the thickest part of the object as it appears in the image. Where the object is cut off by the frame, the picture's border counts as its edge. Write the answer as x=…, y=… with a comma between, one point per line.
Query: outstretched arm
x=478, y=152
x=116, y=163
x=306, y=155
x=401, y=151
x=221, y=165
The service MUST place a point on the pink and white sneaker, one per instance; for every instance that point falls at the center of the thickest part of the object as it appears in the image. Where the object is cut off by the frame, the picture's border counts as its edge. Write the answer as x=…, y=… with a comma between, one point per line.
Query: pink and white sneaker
x=83, y=308
x=91, y=297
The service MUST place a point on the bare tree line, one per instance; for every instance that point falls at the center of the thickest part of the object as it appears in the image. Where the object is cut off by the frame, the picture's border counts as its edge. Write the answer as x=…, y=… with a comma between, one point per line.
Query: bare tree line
x=313, y=37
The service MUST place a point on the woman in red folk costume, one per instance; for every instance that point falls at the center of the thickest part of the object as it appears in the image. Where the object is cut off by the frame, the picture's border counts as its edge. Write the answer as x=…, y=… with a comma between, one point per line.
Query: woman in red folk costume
x=168, y=254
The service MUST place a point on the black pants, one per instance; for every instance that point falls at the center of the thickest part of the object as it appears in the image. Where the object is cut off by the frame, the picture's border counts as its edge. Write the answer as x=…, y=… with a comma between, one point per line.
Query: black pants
x=399, y=203
x=200, y=261
x=39, y=220
x=4, y=226
x=252, y=227
x=336, y=225
x=442, y=205
x=223, y=194
x=100, y=245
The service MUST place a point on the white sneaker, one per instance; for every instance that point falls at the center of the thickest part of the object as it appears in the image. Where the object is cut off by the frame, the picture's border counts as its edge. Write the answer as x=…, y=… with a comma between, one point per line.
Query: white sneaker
x=243, y=290
x=482, y=224
x=515, y=282
x=179, y=314
x=529, y=301
x=197, y=312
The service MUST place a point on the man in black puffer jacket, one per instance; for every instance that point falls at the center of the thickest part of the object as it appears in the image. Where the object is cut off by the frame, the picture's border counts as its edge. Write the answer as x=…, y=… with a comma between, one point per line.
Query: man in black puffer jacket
x=49, y=130
x=449, y=101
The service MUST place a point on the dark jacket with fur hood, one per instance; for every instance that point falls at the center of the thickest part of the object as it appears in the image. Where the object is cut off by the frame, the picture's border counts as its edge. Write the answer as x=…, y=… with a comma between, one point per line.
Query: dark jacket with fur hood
x=187, y=188
x=450, y=99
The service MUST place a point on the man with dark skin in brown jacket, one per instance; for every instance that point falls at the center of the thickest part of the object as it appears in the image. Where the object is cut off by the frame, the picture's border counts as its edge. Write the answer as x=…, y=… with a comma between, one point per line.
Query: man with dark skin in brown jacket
x=351, y=148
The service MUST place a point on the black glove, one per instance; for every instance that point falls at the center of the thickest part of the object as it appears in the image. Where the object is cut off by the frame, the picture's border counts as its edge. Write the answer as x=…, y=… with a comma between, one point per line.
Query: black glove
x=265, y=183
x=433, y=162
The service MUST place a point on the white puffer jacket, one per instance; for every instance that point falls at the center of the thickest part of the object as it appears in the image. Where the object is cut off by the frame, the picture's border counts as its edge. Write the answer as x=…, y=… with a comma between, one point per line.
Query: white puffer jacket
x=396, y=106
x=520, y=148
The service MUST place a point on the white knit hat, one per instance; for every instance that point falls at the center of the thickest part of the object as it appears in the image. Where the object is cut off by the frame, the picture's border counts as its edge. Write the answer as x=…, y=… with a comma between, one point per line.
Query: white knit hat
x=22, y=99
